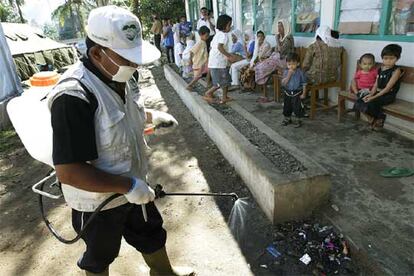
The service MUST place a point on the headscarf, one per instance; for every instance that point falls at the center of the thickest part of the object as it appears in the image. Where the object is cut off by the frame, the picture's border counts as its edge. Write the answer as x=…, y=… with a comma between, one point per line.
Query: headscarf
x=239, y=36
x=286, y=27
x=250, y=34
x=190, y=44
x=324, y=32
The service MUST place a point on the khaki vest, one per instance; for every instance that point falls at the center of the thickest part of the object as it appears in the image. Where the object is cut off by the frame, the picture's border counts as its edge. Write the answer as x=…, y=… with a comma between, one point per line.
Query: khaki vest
x=119, y=132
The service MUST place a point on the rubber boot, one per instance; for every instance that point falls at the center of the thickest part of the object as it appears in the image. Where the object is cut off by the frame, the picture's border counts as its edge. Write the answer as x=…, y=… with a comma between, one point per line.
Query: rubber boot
x=103, y=273
x=159, y=264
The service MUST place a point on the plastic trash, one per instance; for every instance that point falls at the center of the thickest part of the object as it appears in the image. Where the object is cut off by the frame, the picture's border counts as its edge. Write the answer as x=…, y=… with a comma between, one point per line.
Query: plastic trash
x=273, y=251
x=306, y=259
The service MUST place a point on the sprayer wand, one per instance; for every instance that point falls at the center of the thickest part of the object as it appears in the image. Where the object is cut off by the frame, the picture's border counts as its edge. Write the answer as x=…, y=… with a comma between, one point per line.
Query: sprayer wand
x=159, y=193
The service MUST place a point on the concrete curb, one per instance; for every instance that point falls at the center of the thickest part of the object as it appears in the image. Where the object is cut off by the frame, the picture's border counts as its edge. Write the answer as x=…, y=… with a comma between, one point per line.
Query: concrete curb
x=281, y=196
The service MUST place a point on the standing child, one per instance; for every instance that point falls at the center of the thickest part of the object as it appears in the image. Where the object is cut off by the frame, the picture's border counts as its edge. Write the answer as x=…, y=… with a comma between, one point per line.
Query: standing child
x=365, y=77
x=199, y=56
x=294, y=87
x=178, y=51
x=187, y=68
x=385, y=89
x=168, y=36
x=218, y=60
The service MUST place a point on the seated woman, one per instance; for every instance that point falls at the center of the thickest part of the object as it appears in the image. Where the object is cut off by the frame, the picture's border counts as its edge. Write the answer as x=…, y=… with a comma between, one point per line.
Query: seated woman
x=238, y=48
x=235, y=68
x=277, y=60
x=262, y=51
x=323, y=57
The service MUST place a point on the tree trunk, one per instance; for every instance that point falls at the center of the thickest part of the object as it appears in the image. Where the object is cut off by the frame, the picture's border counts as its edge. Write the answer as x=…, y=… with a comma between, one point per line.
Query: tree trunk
x=80, y=17
x=101, y=3
x=20, y=11
x=135, y=7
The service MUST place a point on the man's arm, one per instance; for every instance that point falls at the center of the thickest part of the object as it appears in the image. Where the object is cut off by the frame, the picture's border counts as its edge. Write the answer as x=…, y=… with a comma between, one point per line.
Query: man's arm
x=86, y=177
x=395, y=77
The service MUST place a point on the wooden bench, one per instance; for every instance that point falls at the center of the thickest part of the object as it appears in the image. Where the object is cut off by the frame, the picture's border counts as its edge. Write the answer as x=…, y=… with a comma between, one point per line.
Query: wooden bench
x=314, y=89
x=400, y=108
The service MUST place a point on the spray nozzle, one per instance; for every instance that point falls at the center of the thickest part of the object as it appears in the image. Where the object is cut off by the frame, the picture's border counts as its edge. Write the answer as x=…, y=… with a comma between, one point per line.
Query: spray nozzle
x=159, y=193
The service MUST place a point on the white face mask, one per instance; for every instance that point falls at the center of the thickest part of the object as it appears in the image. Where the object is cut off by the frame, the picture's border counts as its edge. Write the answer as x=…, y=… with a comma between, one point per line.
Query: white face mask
x=124, y=72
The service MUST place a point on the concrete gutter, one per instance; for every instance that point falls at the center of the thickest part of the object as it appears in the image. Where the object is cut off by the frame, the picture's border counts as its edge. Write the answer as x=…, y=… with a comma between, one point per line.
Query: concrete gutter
x=281, y=196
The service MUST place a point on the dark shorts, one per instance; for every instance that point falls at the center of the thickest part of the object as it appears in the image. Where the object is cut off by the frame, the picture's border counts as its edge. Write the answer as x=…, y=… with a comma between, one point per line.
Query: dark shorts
x=220, y=76
x=103, y=235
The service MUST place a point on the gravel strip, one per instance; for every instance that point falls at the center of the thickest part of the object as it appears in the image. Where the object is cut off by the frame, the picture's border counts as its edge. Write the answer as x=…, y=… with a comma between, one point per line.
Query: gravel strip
x=282, y=159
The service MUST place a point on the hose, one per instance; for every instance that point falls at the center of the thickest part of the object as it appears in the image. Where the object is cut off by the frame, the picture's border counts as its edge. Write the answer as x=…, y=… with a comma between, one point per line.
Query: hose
x=82, y=230
x=159, y=193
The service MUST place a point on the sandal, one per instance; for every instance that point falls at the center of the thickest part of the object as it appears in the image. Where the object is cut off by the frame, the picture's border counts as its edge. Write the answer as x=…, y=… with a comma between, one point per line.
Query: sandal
x=286, y=121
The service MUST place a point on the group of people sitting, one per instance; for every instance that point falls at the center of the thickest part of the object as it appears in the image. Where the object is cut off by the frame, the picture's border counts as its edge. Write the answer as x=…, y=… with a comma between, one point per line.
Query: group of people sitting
x=242, y=61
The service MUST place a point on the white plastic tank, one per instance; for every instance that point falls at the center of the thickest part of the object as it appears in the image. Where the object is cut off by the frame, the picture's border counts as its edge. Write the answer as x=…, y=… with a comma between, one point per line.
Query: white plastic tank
x=30, y=116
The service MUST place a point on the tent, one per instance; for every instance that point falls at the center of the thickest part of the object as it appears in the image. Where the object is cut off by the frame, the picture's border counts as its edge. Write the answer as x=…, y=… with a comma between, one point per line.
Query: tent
x=33, y=52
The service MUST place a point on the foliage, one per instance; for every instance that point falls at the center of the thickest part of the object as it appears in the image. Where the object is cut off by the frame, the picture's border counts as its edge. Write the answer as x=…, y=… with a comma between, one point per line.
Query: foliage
x=8, y=13
x=50, y=31
x=163, y=8
x=144, y=9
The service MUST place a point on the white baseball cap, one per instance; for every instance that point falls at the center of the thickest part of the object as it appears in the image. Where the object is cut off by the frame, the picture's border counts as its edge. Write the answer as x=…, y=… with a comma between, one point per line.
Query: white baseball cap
x=120, y=30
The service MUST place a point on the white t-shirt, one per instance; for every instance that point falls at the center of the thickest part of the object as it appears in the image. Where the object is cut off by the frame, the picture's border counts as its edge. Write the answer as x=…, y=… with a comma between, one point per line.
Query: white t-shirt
x=201, y=22
x=216, y=58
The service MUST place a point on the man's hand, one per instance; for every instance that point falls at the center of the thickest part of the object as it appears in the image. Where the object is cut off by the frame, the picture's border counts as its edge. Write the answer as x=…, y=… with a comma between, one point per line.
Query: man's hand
x=140, y=192
x=232, y=58
x=159, y=117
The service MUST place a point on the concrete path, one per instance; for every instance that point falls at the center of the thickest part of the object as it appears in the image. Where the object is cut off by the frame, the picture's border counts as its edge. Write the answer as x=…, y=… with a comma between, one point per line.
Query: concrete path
x=375, y=212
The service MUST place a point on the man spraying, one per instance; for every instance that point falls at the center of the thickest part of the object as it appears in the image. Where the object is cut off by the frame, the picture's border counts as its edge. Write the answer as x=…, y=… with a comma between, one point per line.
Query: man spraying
x=99, y=149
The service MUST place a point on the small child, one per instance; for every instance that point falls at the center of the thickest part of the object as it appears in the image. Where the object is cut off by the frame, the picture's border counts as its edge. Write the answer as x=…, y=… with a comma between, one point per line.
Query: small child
x=199, y=56
x=294, y=87
x=187, y=68
x=178, y=51
x=218, y=60
x=365, y=77
x=385, y=88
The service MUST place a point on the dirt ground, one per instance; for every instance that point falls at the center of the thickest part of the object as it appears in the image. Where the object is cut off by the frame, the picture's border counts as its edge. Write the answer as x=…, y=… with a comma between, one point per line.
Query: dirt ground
x=184, y=160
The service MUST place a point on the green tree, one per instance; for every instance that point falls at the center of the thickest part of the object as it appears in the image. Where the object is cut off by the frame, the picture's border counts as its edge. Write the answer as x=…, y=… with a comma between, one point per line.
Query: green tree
x=75, y=10
x=163, y=8
x=50, y=31
x=10, y=11
x=17, y=4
